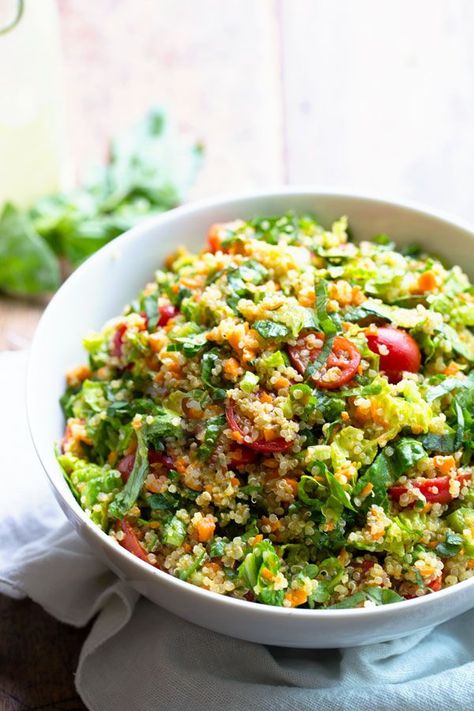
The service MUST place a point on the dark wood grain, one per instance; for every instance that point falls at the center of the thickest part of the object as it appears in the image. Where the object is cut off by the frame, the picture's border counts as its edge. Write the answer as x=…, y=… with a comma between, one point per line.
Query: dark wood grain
x=38, y=657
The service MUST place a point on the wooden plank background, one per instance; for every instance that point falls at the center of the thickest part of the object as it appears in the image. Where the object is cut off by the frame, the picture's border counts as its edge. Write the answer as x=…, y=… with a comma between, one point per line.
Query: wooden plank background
x=371, y=95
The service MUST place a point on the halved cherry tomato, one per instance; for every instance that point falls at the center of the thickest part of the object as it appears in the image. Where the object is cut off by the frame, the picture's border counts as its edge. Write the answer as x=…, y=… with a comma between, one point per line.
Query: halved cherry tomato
x=260, y=445
x=117, y=341
x=435, y=491
x=402, y=354
x=126, y=464
x=130, y=541
x=167, y=312
x=344, y=355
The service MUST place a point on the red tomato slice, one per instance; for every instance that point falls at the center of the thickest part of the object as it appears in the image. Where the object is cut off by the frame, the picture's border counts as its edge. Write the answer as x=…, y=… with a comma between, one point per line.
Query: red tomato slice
x=260, y=445
x=400, y=352
x=131, y=542
x=436, y=491
x=344, y=355
x=167, y=312
x=126, y=464
x=117, y=341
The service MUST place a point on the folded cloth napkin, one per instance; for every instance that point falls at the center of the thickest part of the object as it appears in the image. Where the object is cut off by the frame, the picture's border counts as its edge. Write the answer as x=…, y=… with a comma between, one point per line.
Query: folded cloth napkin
x=139, y=657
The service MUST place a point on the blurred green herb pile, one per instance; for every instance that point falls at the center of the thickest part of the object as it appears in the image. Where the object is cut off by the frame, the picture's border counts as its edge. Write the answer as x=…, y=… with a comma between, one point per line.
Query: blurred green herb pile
x=149, y=171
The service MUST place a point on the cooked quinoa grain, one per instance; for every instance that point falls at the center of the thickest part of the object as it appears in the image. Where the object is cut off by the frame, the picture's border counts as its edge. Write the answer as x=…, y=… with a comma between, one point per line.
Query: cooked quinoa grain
x=285, y=418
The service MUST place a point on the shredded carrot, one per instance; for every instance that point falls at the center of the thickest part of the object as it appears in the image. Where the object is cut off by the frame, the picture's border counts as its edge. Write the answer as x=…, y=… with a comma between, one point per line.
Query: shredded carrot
x=296, y=597
x=205, y=530
x=169, y=260
x=77, y=375
x=234, y=481
x=214, y=238
x=269, y=434
x=452, y=368
x=308, y=299
x=231, y=367
x=257, y=539
x=112, y=458
x=271, y=463
x=470, y=564
x=154, y=524
x=237, y=436
x=267, y=574
x=444, y=464
x=234, y=339
x=427, y=282
x=366, y=490
x=274, y=525
x=192, y=282
x=378, y=534
x=282, y=382
x=154, y=486
x=263, y=396
x=192, y=484
x=293, y=484
x=213, y=566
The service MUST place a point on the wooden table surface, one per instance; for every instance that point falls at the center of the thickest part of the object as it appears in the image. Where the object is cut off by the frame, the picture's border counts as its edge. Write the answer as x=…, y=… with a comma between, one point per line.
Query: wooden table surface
x=369, y=95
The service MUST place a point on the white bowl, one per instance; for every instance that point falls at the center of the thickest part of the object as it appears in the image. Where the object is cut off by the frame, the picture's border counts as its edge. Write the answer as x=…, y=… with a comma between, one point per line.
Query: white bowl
x=99, y=289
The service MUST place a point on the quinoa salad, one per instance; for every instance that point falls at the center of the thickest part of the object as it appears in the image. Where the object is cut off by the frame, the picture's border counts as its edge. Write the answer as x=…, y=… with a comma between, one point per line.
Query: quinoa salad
x=285, y=418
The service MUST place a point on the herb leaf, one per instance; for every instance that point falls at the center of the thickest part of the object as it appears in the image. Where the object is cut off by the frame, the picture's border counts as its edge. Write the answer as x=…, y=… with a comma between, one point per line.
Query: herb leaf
x=385, y=470
x=450, y=546
x=126, y=498
x=271, y=329
x=214, y=427
x=27, y=263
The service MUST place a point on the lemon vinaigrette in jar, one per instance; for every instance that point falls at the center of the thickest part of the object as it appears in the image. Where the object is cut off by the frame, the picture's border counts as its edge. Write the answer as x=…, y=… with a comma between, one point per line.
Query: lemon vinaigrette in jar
x=32, y=159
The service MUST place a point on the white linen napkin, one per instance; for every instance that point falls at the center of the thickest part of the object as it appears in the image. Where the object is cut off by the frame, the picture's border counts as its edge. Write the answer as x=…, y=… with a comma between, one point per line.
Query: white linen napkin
x=139, y=657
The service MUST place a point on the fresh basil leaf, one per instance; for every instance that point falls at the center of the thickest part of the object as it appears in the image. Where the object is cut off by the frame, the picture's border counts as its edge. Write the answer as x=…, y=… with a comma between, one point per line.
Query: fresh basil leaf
x=217, y=548
x=188, y=572
x=451, y=545
x=164, y=424
x=326, y=322
x=406, y=453
x=208, y=362
x=149, y=171
x=447, y=386
x=214, y=428
x=271, y=329
x=150, y=307
x=27, y=263
x=360, y=313
x=164, y=502
x=385, y=470
x=348, y=602
x=463, y=344
x=126, y=498
x=191, y=345
x=309, y=492
x=380, y=596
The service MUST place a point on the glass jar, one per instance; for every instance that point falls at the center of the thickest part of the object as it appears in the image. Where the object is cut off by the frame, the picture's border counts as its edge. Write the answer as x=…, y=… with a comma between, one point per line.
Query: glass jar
x=32, y=155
